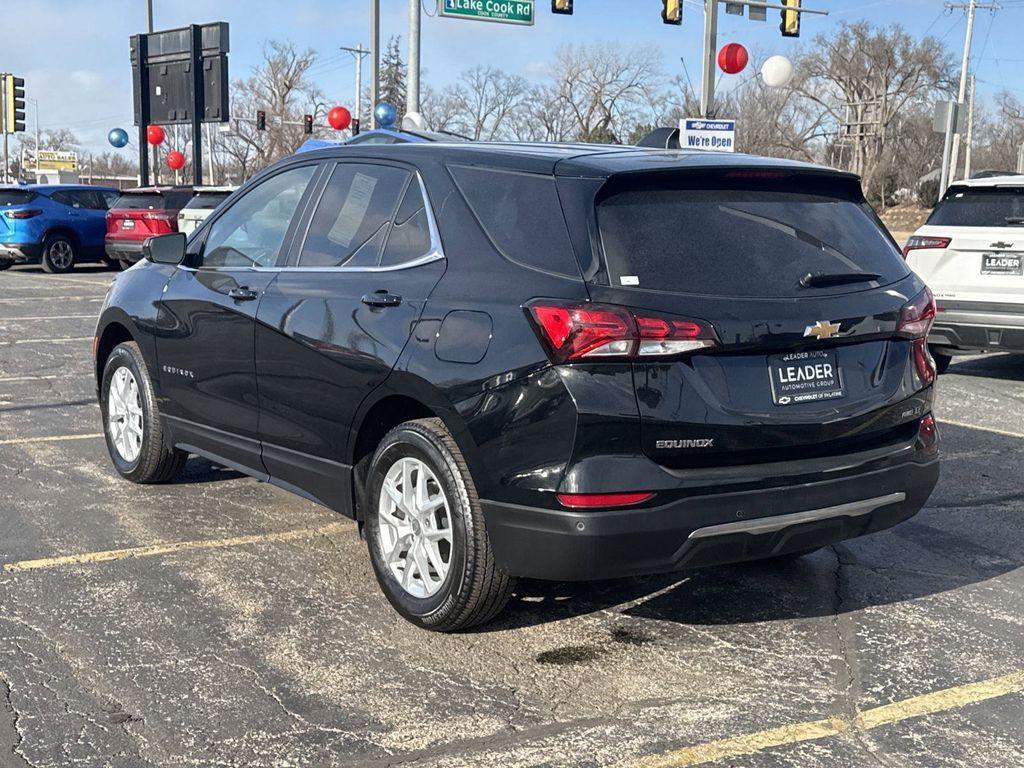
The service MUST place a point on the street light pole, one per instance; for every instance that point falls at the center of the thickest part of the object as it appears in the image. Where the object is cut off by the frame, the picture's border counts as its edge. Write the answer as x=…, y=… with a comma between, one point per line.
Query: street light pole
x=412, y=97
x=707, y=80
x=375, y=46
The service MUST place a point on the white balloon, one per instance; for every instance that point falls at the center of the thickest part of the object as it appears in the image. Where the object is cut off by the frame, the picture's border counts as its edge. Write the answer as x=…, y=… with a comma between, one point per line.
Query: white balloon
x=777, y=71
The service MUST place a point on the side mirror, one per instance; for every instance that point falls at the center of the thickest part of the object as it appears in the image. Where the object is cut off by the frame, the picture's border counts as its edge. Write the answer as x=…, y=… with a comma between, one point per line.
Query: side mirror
x=165, y=249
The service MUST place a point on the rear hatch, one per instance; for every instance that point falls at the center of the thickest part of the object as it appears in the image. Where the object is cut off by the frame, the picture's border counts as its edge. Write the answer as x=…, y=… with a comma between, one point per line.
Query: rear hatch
x=792, y=292
x=139, y=214
x=971, y=249
x=15, y=206
x=199, y=208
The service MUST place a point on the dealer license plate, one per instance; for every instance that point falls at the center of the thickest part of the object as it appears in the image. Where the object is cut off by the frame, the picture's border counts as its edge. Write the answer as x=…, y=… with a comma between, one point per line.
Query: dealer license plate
x=805, y=377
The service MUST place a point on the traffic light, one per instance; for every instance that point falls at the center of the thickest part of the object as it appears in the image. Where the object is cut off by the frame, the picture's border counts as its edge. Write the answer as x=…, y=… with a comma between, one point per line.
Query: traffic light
x=790, y=26
x=14, y=104
x=562, y=6
x=355, y=126
x=307, y=123
x=672, y=11
x=261, y=120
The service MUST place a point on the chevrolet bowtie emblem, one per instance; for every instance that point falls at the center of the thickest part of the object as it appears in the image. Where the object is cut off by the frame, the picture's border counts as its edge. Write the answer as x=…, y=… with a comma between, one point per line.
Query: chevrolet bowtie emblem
x=822, y=329
x=1001, y=245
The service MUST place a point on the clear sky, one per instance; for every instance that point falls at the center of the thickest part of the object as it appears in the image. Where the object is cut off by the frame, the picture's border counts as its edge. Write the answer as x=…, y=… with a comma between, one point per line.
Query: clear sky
x=74, y=53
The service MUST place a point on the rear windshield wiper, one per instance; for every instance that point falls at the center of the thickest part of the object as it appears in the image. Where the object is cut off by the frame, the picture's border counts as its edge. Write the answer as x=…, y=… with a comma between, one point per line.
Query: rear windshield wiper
x=1014, y=219
x=825, y=279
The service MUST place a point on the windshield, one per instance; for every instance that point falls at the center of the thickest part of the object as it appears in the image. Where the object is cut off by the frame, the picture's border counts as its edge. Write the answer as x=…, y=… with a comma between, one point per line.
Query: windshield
x=741, y=242
x=980, y=207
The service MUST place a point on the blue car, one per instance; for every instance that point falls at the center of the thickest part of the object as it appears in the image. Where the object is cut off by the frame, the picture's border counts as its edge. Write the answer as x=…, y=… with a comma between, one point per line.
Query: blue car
x=56, y=225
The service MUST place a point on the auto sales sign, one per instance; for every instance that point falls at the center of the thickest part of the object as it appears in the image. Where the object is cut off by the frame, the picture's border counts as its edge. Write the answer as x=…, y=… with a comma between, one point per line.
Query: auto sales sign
x=711, y=135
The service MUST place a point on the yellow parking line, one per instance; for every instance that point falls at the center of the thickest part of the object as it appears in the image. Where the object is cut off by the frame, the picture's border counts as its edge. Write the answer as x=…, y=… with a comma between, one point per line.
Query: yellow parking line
x=946, y=700
x=49, y=317
x=49, y=341
x=51, y=439
x=163, y=549
x=994, y=430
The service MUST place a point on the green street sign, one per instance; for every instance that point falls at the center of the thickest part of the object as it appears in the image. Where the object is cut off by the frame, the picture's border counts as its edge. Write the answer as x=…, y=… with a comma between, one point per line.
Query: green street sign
x=501, y=11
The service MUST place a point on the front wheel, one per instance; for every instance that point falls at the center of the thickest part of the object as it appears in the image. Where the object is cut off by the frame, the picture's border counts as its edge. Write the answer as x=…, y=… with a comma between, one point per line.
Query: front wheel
x=58, y=254
x=6, y=264
x=131, y=420
x=425, y=531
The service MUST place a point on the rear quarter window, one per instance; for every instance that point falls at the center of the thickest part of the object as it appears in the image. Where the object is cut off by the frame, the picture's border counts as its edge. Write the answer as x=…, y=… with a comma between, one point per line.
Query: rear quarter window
x=16, y=196
x=521, y=215
x=980, y=207
x=726, y=241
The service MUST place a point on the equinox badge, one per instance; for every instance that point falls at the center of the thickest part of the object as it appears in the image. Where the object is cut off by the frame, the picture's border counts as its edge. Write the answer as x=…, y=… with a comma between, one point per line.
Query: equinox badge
x=822, y=329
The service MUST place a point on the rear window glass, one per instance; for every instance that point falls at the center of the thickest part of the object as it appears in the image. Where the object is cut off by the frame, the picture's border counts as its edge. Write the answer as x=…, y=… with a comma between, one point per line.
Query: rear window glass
x=16, y=196
x=740, y=242
x=207, y=200
x=994, y=207
x=140, y=201
x=522, y=216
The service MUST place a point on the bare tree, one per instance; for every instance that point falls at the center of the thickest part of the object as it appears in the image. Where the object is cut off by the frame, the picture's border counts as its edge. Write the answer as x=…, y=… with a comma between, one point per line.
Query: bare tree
x=280, y=85
x=605, y=88
x=486, y=99
x=864, y=75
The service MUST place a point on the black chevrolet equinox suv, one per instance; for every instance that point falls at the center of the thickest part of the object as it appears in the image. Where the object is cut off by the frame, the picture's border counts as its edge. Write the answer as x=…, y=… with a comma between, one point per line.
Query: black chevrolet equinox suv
x=551, y=361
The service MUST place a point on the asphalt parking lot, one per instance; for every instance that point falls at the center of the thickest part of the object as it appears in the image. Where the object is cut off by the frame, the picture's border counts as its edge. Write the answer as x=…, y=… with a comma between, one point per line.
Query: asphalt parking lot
x=220, y=621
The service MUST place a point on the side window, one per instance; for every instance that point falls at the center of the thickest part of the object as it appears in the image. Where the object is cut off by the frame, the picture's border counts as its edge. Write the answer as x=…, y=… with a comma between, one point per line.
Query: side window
x=66, y=197
x=410, y=236
x=92, y=199
x=352, y=218
x=521, y=214
x=108, y=198
x=251, y=232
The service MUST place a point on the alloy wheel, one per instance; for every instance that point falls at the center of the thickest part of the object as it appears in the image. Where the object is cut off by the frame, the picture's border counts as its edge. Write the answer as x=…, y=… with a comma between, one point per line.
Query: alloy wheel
x=61, y=254
x=124, y=415
x=415, y=527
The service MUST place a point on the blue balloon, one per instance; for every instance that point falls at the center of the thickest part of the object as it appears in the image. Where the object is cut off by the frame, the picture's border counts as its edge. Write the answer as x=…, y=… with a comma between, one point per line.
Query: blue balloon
x=385, y=114
x=118, y=137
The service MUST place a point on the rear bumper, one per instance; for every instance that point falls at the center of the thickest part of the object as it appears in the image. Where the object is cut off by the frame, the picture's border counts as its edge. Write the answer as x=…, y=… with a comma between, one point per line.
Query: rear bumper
x=21, y=252
x=124, y=250
x=712, y=528
x=969, y=326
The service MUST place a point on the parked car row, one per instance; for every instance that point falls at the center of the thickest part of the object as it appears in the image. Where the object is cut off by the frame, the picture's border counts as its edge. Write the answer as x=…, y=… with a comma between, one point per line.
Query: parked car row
x=59, y=226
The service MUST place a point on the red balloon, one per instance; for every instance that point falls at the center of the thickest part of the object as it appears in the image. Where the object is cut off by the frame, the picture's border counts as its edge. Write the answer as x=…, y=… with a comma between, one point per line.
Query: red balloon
x=175, y=160
x=155, y=135
x=733, y=58
x=339, y=118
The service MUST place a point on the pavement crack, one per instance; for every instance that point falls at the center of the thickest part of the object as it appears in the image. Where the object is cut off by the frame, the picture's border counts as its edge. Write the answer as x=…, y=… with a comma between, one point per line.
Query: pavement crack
x=15, y=719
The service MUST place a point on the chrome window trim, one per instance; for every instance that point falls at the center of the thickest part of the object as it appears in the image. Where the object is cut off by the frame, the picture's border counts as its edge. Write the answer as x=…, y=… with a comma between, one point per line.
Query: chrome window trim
x=436, y=252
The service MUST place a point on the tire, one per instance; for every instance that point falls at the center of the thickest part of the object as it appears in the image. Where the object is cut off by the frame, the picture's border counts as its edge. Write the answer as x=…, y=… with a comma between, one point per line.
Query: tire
x=942, y=360
x=138, y=451
x=113, y=264
x=125, y=264
x=59, y=254
x=6, y=264
x=471, y=588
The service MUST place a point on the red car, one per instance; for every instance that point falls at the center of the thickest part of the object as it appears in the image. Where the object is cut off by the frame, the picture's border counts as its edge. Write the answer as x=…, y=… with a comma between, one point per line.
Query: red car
x=141, y=213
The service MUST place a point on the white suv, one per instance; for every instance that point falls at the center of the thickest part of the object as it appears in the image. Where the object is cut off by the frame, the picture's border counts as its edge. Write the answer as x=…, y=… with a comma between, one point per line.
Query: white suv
x=198, y=209
x=970, y=253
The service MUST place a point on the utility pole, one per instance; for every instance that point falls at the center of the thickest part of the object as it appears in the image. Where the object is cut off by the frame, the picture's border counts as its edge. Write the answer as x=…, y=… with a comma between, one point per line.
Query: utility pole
x=970, y=132
x=3, y=120
x=357, y=53
x=970, y=7
x=375, y=46
x=412, y=96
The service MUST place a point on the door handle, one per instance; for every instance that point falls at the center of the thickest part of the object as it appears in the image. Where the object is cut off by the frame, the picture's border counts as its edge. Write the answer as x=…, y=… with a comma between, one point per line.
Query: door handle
x=381, y=299
x=242, y=294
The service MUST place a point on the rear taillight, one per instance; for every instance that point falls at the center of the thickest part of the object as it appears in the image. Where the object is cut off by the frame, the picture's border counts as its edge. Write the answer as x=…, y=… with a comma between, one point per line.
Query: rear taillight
x=916, y=318
x=22, y=213
x=576, y=331
x=928, y=434
x=603, y=500
x=919, y=242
